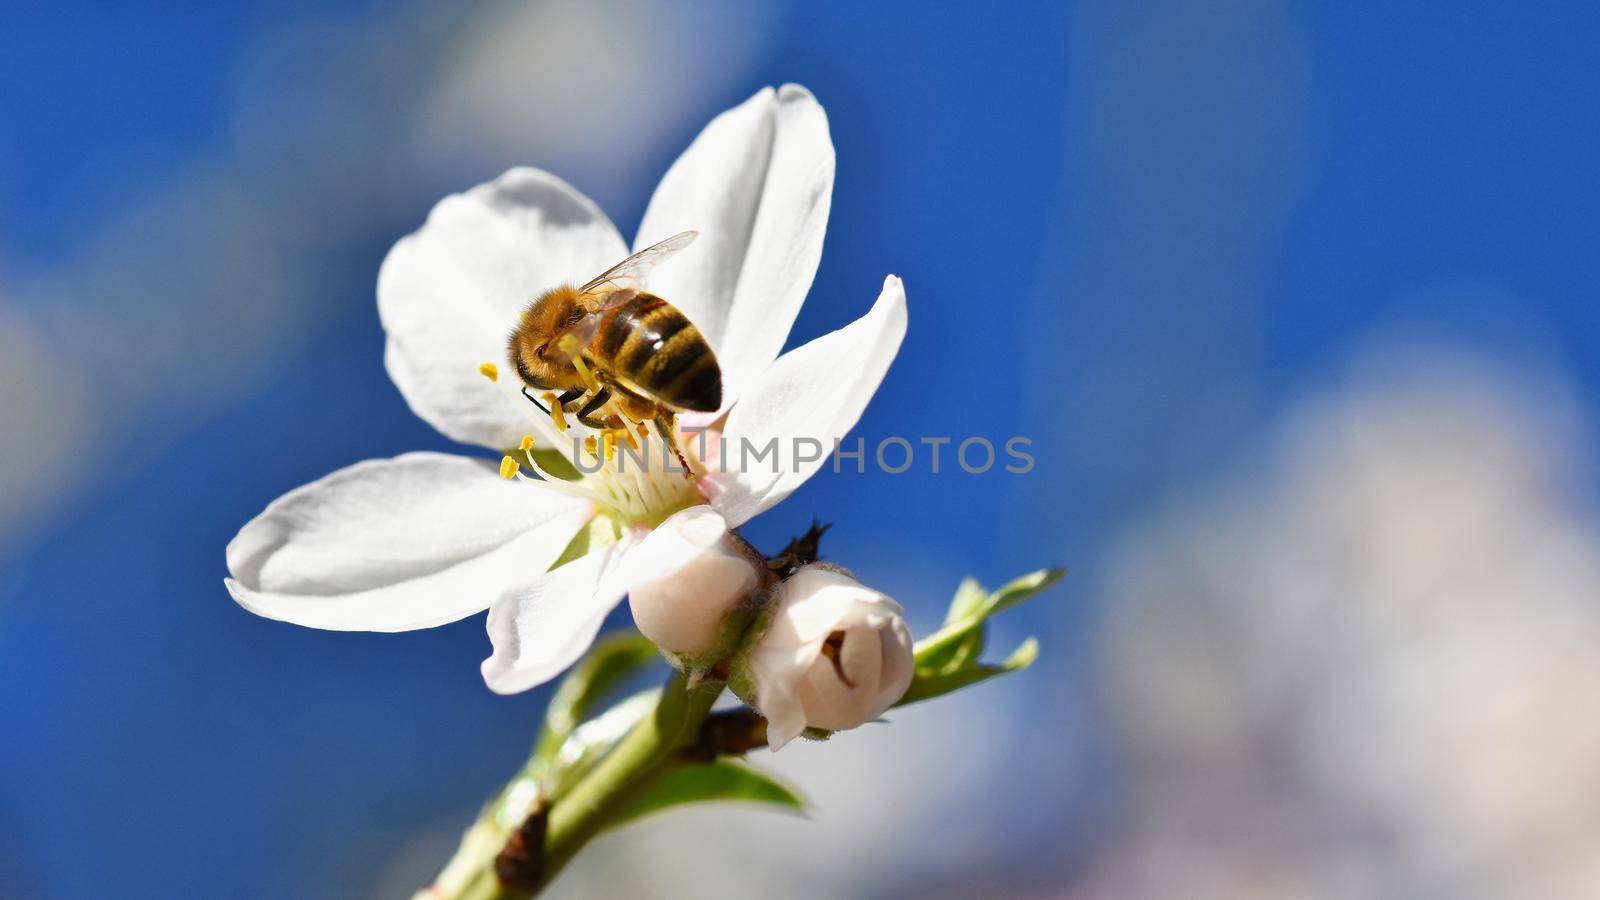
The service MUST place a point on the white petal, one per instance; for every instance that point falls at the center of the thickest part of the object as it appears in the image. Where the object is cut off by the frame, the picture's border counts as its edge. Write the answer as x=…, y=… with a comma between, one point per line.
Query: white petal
x=814, y=602
x=450, y=294
x=540, y=629
x=831, y=704
x=807, y=400
x=775, y=697
x=397, y=544
x=757, y=184
x=861, y=656
x=898, y=666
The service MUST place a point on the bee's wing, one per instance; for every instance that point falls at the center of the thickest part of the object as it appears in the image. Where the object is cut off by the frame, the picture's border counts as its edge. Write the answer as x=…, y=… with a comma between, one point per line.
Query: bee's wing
x=630, y=273
x=572, y=340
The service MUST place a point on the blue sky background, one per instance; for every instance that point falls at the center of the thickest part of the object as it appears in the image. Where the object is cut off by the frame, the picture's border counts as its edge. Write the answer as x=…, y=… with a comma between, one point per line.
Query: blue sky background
x=1135, y=233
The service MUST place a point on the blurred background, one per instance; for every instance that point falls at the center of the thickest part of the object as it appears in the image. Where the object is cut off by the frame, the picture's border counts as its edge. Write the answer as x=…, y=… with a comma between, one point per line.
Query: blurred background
x=1297, y=304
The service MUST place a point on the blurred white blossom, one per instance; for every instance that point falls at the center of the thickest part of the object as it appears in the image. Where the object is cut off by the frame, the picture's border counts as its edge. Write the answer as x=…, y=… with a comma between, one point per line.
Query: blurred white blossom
x=1370, y=667
x=571, y=83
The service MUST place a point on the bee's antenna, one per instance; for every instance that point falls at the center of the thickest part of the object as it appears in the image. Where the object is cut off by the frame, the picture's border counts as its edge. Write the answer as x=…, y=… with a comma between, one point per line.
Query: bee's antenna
x=534, y=401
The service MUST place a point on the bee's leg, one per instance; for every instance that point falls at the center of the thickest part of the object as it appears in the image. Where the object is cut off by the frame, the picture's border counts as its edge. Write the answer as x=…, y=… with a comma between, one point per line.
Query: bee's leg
x=586, y=413
x=534, y=400
x=569, y=397
x=668, y=427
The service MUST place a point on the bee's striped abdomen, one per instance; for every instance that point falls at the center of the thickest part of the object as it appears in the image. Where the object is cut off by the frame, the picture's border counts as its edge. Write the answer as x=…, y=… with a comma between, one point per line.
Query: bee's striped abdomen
x=650, y=343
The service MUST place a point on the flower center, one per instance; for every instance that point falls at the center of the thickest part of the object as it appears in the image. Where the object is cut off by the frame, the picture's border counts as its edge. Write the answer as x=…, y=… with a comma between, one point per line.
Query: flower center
x=634, y=473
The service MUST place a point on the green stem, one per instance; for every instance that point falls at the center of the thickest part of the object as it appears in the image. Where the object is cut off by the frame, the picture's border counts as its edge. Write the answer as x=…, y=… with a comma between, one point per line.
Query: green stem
x=638, y=762
x=470, y=874
x=649, y=751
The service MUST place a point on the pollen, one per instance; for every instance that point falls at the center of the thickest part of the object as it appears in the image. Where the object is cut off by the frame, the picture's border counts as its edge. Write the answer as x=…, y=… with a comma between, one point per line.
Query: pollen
x=490, y=371
x=508, y=468
x=527, y=442
x=632, y=441
x=557, y=414
x=590, y=445
x=610, y=440
x=643, y=431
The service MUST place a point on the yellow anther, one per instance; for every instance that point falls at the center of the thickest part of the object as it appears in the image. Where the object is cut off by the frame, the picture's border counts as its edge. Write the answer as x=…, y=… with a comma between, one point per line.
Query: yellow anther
x=490, y=371
x=508, y=468
x=643, y=431
x=589, y=444
x=632, y=441
x=527, y=442
x=557, y=414
x=610, y=439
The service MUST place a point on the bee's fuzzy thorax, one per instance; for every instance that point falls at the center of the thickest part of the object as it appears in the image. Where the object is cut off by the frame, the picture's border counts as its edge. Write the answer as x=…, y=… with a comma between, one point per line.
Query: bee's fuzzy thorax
x=540, y=322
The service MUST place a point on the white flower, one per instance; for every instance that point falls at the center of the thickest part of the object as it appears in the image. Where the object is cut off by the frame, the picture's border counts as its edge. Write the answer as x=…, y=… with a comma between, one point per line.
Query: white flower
x=685, y=612
x=427, y=538
x=836, y=654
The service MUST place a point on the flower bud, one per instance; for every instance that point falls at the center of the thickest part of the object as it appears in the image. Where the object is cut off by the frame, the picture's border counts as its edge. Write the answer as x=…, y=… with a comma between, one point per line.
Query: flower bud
x=835, y=654
x=684, y=613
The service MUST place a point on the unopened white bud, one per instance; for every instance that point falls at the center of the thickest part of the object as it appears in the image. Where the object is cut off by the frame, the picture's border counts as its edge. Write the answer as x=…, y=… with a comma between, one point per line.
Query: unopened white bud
x=836, y=654
x=684, y=612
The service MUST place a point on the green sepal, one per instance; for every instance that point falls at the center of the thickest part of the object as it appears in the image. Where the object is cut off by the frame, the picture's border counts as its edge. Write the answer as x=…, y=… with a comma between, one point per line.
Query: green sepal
x=609, y=662
x=719, y=781
x=741, y=681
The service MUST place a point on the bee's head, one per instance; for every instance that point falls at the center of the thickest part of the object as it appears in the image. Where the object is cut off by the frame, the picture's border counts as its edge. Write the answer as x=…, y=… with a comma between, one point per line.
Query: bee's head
x=533, y=349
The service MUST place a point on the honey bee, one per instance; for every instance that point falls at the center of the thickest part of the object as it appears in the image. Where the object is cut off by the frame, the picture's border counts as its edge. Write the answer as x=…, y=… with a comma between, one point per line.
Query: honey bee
x=610, y=345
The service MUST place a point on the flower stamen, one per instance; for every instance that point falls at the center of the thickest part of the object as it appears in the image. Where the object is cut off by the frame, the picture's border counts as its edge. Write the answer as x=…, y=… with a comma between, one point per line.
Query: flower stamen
x=574, y=488
x=557, y=414
x=642, y=492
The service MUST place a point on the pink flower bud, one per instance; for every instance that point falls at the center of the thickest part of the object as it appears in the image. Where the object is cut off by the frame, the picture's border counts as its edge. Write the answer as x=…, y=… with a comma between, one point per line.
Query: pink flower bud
x=835, y=655
x=684, y=612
